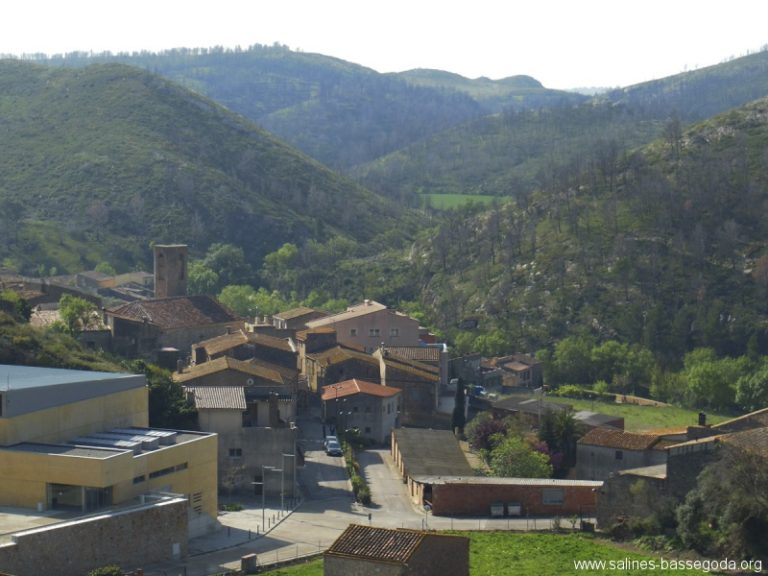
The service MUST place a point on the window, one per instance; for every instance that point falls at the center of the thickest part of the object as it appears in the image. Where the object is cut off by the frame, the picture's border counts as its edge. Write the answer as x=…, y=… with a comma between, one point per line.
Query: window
x=354, y=409
x=372, y=332
x=619, y=455
x=139, y=479
x=367, y=429
x=367, y=409
x=235, y=452
x=353, y=332
x=553, y=496
x=394, y=332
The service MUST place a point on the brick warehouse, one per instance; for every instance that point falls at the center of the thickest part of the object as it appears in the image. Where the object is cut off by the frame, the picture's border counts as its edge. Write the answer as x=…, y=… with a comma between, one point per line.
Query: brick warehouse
x=477, y=496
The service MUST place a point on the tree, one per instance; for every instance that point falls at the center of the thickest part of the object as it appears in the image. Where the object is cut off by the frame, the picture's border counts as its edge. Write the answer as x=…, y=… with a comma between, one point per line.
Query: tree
x=572, y=360
x=75, y=312
x=168, y=407
x=201, y=279
x=727, y=512
x=229, y=263
x=241, y=299
x=752, y=389
x=458, y=419
x=514, y=457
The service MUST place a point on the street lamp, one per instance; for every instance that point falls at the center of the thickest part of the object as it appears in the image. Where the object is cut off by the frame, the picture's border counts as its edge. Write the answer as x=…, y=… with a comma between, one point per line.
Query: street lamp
x=263, y=493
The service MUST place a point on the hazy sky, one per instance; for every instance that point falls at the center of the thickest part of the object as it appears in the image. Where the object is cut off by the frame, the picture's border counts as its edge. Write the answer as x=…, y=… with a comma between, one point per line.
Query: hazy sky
x=562, y=43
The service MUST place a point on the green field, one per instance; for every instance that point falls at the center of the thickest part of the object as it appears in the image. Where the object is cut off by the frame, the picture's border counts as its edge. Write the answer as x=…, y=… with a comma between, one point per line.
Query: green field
x=641, y=418
x=515, y=553
x=448, y=201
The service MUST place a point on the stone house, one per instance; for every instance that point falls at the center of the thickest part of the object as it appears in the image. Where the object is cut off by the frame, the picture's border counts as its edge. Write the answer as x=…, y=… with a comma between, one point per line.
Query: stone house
x=246, y=346
x=338, y=364
x=260, y=382
x=605, y=451
x=368, y=550
x=420, y=384
x=371, y=408
x=519, y=371
x=251, y=433
x=369, y=325
x=142, y=328
x=296, y=319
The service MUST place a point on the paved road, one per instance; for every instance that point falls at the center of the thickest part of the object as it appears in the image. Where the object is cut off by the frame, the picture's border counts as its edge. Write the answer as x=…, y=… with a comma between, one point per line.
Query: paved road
x=328, y=508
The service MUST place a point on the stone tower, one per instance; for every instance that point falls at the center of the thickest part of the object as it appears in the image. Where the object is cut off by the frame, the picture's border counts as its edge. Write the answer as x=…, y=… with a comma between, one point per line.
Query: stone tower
x=170, y=270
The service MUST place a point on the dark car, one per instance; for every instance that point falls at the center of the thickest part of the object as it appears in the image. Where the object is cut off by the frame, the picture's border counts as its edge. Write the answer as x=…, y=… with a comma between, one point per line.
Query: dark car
x=332, y=447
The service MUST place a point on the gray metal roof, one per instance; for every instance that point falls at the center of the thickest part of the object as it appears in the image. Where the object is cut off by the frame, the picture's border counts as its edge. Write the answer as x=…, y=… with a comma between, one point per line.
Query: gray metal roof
x=24, y=377
x=26, y=389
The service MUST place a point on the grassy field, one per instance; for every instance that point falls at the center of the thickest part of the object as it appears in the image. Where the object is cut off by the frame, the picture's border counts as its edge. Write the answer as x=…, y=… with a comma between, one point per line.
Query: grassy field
x=640, y=418
x=448, y=201
x=514, y=553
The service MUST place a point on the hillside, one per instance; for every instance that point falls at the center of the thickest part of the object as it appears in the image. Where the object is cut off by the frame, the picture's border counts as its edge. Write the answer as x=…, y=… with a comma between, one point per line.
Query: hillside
x=99, y=161
x=340, y=113
x=699, y=94
x=512, y=93
x=665, y=247
x=520, y=150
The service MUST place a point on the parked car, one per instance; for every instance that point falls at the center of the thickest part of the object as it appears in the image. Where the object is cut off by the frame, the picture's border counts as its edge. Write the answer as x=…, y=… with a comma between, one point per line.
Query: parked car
x=333, y=448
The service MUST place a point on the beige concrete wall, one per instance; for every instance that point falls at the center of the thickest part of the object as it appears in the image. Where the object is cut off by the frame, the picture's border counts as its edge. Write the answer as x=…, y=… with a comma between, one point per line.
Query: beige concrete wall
x=121, y=409
x=26, y=474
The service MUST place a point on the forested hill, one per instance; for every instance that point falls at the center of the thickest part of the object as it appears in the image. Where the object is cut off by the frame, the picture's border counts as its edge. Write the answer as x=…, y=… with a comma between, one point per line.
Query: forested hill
x=698, y=94
x=518, y=151
x=96, y=162
x=665, y=247
x=340, y=113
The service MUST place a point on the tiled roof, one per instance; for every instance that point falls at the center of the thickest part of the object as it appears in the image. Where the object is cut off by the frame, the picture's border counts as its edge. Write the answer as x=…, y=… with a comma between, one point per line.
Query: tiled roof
x=431, y=453
x=755, y=419
x=418, y=353
x=295, y=313
x=374, y=543
x=226, y=363
x=362, y=309
x=426, y=371
x=271, y=342
x=176, y=312
x=611, y=438
x=355, y=386
x=218, y=397
x=515, y=366
x=341, y=354
x=224, y=342
x=754, y=441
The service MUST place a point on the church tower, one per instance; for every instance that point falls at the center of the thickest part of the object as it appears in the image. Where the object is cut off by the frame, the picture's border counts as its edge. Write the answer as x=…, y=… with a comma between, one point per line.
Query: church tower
x=170, y=270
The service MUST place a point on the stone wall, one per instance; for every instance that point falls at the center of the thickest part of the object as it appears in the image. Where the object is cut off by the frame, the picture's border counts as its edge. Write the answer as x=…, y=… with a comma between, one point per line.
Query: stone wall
x=625, y=497
x=341, y=566
x=130, y=539
x=441, y=556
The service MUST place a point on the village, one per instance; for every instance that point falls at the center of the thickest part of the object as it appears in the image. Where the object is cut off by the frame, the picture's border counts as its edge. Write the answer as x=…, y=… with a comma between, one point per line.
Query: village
x=275, y=399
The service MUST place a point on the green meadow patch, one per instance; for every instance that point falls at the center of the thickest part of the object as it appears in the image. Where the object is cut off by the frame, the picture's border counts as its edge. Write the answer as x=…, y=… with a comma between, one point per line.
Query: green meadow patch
x=523, y=554
x=449, y=201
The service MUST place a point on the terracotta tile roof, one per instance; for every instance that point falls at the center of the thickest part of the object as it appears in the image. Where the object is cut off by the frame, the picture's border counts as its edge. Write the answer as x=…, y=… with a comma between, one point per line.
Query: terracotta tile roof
x=339, y=354
x=271, y=342
x=226, y=363
x=384, y=544
x=218, y=397
x=302, y=334
x=612, y=438
x=355, y=386
x=756, y=419
x=176, y=312
x=426, y=371
x=515, y=366
x=224, y=342
x=754, y=441
x=418, y=353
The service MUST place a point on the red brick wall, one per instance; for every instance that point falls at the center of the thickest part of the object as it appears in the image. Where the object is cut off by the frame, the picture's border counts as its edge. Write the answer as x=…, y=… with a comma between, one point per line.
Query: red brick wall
x=476, y=499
